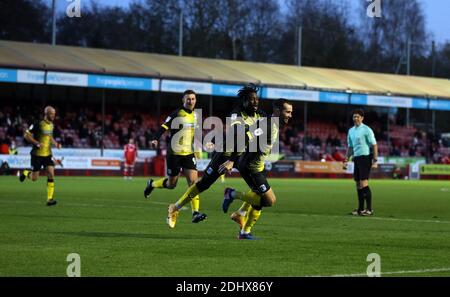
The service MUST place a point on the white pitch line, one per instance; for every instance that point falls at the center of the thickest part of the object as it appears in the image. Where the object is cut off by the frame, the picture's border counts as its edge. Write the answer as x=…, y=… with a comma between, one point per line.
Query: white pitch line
x=409, y=220
x=92, y=205
x=376, y=218
x=387, y=273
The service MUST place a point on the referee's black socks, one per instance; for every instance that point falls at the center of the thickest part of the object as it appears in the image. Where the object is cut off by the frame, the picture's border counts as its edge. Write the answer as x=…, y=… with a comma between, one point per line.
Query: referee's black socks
x=367, y=195
x=360, y=199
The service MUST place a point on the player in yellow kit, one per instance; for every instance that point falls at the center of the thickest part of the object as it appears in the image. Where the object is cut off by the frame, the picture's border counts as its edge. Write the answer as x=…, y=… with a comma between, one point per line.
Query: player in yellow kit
x=181, y=124
x=244, y=116
x=40, y=135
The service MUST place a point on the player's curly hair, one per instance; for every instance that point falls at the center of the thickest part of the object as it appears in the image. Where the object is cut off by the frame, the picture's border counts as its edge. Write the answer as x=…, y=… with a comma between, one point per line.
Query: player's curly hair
x=244, y=97
x=244, y=92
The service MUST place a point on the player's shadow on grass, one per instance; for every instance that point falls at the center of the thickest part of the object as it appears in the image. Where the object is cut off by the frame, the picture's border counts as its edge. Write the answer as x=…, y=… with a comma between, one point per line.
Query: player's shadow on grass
x=136, y=235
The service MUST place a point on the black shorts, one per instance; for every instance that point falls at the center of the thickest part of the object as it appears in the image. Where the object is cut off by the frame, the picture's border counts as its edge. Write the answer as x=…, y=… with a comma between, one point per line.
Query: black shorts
x=176, y=162
x=256, y=181
x=37, y=162
x=211, y=173
x=212, y=169
x=363, y=164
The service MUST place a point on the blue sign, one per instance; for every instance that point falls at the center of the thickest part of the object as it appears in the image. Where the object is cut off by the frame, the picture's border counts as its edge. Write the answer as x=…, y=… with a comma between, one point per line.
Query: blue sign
x=30, y=76
x=263, y=92
x=440, y=104
x=119, y=82
x=419, y=103
x=290, y=94
x=333, y=97
x=225, y=90
x=179, y=86
x=8, y=75
x=358, y=99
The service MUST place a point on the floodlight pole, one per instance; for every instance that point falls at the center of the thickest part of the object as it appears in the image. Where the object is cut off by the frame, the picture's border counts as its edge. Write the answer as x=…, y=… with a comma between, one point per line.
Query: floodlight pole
x=433, y=58
x=53, y=22
x=234, y=48
x=408, y=57
x=180, y=37
x=299, y=46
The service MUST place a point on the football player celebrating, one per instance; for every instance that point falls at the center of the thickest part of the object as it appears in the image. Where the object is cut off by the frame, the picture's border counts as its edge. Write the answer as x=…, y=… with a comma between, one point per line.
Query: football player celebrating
x=251, y=168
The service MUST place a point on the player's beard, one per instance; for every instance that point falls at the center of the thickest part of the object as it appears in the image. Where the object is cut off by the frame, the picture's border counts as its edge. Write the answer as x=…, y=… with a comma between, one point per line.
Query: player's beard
x=284, y=122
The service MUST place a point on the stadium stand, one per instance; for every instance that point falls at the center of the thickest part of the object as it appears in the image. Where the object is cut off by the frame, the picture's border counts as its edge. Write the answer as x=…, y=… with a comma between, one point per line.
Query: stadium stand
x=80, y=126
x=100, y=61
x=324, y=140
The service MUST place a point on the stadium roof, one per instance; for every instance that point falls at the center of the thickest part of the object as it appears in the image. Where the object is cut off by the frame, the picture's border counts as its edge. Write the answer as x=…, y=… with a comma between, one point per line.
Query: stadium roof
x=114, y=62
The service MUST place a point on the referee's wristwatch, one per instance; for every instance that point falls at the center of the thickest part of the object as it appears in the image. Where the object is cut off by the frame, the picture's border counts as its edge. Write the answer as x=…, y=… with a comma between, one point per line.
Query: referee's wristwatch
x=374, y=160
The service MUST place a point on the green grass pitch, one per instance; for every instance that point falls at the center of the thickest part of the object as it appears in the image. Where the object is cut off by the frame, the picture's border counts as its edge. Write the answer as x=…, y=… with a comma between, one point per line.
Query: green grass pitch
x=308, y=232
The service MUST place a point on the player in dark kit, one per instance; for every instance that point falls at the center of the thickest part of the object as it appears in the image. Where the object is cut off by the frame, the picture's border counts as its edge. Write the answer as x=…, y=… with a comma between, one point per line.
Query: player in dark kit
x=244, y=116
x=251, y=168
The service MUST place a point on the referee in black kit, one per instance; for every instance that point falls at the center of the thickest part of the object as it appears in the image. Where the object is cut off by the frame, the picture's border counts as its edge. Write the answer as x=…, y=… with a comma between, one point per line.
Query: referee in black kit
x=361, y=140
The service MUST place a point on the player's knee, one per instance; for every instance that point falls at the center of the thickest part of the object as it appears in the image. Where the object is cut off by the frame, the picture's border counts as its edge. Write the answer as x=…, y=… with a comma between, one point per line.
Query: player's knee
x=34, y=177
x=171, y=182
x=268, y=201
x=191, y=182
x=272, y=201
x=171, y=185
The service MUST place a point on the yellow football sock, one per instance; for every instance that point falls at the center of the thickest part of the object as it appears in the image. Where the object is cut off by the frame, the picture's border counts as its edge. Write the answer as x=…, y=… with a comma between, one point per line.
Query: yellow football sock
x=249, y=197
x=253, y=216
x=222, y=178
x=195, y=203
x=244, y=209
x=50, y=189
x=160, y=183
x=27, y=173
x=191, y=192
